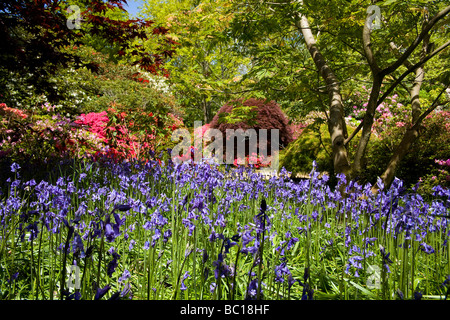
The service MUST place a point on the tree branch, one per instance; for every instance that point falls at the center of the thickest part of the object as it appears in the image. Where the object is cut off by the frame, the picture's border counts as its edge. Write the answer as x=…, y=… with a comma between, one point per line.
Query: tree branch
x=411, y=69
x=368, y=50
x=359, y=127
x=416, y=42
x=430, y=109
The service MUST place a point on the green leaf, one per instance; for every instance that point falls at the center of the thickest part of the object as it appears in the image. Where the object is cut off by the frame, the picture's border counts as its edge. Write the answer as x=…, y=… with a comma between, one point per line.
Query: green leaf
x=364, y=290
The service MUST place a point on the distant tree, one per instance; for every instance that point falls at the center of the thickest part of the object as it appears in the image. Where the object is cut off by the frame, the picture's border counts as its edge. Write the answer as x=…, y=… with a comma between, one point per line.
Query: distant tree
x=204, y=69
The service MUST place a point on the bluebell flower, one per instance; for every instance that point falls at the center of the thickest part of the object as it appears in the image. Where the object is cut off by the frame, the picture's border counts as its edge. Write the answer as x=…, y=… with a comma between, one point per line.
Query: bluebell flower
x=33, y=228
x=281, y=271
x=183, y=286
x=115, y=296
x=112, y=265
x=13, y=277
x=123, y=207
x=385, y=257
x=131, y=245
x=426, y=248
x=101, y=292
x=109, y=233
x=252, y=290
x=14, y=167
x=126, y=291
x=77, y=246
x=125, y=276
x=74, y=296
x=369, y=241
x=167, y=235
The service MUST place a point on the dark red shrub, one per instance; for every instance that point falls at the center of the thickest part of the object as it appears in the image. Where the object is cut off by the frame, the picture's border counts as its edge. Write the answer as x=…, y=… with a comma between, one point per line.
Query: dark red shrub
x=267, y=115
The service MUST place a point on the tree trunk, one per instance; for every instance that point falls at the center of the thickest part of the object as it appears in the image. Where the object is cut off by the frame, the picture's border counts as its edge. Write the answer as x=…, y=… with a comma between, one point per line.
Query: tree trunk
x=367, y=125
x=412, y=133
x=206, y=106
x=336, y=122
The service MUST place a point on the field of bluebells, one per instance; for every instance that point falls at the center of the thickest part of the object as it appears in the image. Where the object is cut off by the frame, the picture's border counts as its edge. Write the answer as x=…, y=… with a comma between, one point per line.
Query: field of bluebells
x=196, y=231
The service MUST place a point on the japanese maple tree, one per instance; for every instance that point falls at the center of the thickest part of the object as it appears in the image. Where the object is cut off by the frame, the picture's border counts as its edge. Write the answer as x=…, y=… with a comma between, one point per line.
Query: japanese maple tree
x=34, y=36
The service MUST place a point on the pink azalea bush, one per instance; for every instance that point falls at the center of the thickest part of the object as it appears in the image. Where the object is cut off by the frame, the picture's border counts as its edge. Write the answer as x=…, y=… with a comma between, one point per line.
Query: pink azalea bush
x=7, y=112
x=46, y=136
x=391, y=114
x=129, y=135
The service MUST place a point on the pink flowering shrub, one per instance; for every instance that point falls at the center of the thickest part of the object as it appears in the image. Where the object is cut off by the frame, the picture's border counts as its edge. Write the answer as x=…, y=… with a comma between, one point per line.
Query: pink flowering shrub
x=390, y=115
x=7, y=112
x=426, y=160
x=297, y=129
x=41, y=138
x=45, y=136
x=130, y=135
x=96, y=122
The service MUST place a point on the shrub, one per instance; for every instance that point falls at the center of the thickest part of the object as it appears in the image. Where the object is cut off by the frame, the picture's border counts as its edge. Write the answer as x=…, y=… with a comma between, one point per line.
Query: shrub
x=91, y=86
x=253, y=114
x=313, y=144
x=38, y=141
x=420, y=164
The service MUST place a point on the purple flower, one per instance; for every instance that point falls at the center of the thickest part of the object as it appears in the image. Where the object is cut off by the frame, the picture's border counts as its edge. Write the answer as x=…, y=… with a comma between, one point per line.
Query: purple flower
x=112, y=265
x=385, y=257
x=123, y=207
x=167, y=235
x=125, y=276
x=183, y=286
x=109, y=233
x=280, y=271
x=14, y=167
x=77, y=246
x=252, y=290
x=426, y=248
x=13, y=277
x=131, y=245
x=101, y=292
x=126, y=291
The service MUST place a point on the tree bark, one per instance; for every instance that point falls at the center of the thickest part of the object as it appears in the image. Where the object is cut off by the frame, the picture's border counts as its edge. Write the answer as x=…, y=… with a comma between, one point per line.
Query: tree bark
x=206, y=106
x=371, y=104
x=336, y=122
x=412, y=133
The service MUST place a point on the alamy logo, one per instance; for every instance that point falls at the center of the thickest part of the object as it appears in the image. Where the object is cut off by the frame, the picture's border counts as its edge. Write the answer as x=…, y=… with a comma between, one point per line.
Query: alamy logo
x=73, y=281
x=374, y=21
x=74, y=19
x=373, y=281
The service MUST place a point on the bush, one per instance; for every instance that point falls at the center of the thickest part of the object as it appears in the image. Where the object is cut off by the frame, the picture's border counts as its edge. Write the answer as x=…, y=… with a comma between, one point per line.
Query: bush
x=91, y=86
x=421, y=163
x=313, y=144
x=253, y=114
x=38, y=141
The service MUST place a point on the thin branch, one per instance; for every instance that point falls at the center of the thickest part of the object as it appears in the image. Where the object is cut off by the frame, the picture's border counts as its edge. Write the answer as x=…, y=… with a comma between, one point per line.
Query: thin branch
x=358, y=128
x=416, y=42
x=411, y=69
x=430, y=109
